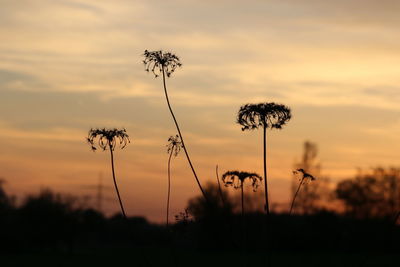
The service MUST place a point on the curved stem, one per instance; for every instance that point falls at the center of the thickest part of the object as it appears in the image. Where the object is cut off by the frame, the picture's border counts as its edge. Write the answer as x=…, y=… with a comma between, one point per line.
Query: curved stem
x=180, y=135
x=169, y=183
x=265, y=171
x=115, y=182
x=295, y=195
x=219, y=186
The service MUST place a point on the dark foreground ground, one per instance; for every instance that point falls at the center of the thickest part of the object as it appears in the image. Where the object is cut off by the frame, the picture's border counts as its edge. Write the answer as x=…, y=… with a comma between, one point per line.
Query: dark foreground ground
x=318, y=240
x=48, y=232
x=151, y=256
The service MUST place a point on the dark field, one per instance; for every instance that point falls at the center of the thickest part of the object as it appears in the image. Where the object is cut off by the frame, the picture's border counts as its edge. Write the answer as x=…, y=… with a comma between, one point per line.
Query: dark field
x=48, y=230
x=151, y=256
x=293, y=241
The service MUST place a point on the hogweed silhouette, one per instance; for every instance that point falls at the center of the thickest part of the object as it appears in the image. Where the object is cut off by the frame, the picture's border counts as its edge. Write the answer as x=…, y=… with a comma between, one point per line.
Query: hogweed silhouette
x=237, y=179
x=109, y=139
x=173, y=148
x=265, y=115
x=159, y=62
x=164, y=64
x=305, y=176
x=183, y=217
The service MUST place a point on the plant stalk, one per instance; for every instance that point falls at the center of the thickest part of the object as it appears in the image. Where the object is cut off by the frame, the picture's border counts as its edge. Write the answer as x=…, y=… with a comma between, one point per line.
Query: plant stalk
x=265, y=171
x=219, y=187
x=180, y=135
x=169, y=183
x=243, y=229
x=115, y=182
x=241, y=189
x=295, y=195
x=265, y=224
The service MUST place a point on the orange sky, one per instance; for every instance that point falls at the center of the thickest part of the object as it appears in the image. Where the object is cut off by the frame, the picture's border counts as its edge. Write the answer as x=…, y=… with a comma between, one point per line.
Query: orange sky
x=67, y=66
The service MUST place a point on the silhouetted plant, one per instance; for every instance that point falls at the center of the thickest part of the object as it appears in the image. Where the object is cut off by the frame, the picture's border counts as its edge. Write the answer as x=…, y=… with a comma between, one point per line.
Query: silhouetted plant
x=183, y=217
x=173, y=148
x=237, y=179
x=304, y=177
x=219, y=186
x=109, y=139
x=165, y=63
x=265, y=115
x=312, y=197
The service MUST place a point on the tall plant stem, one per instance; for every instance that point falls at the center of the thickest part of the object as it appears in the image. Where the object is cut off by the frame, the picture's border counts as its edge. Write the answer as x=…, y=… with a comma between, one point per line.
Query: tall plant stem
x=265, y=224
x=241, y=189
x=115, y=183
x=295, y=195
x=180, y=135
x=243, y=226
x=219, y=186
x=265, y=172
x=169, y=183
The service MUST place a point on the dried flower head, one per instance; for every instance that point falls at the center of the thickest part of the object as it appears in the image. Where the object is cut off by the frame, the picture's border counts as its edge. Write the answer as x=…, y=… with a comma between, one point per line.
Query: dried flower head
x=269, y=115
x=159, y=61
x=174, y=145
x=107, y=138
x=183, y=217
x=237, y=179
x=305, y=175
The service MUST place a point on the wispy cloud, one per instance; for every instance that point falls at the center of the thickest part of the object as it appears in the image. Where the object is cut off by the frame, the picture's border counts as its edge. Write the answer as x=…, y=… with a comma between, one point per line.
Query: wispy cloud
x=54, y=134
x=73, y=46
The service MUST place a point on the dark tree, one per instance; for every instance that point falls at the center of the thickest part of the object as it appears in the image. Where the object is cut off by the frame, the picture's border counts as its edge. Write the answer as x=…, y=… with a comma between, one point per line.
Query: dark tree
x=47, y=218
x=374, y=194
x=201, y=208
x=6, y=201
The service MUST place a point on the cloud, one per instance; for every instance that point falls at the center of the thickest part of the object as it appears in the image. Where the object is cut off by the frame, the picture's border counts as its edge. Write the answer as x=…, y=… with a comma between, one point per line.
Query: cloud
x=54, y=134
x=266, y=48
x=385, y=92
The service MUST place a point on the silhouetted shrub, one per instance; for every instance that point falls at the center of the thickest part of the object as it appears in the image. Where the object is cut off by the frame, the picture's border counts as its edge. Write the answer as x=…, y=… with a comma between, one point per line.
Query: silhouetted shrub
x=370, y=195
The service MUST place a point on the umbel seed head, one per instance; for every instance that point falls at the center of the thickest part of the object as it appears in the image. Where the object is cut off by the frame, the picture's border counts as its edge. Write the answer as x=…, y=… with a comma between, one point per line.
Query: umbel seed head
x=159, y=61
x=174, y=145
x=107, y=138
x=305, y=175
x=268, y=115
x=237, y=179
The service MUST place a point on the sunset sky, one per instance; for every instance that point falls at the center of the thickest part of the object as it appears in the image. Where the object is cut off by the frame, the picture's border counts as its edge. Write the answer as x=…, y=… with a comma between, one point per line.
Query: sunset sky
x=67, y=66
